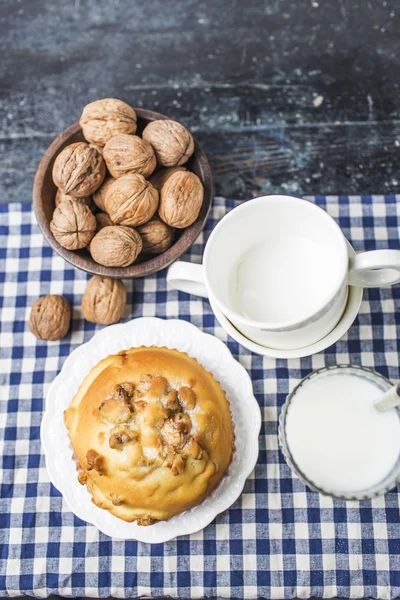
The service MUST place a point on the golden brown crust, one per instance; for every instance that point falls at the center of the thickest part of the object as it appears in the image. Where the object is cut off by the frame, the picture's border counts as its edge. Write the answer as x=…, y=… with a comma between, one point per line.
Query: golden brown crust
x=152, y=432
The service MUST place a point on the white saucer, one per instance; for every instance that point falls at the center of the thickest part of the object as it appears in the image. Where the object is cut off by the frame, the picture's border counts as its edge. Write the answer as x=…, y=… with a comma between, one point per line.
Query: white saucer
x=349, y=315
x=351, y=311
x=216, y=358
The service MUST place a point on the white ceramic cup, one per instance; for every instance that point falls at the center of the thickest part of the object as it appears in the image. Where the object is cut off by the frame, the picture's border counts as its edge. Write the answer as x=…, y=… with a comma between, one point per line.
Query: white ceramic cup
x=278, y=268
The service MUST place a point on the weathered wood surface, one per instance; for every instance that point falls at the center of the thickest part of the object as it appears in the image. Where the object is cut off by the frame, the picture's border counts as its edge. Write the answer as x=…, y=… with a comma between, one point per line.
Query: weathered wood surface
x=292, y=96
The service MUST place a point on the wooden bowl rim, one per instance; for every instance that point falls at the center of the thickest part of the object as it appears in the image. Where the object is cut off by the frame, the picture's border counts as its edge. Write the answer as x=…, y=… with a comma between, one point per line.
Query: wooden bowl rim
x=152, y=265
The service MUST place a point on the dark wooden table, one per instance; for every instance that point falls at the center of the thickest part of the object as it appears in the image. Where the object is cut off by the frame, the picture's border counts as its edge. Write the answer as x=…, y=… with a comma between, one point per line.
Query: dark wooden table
x=290, y=96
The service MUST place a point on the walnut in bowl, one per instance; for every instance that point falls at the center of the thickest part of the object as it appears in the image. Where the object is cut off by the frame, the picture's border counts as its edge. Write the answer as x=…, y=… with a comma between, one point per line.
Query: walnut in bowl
x=44, y=192
x=129, y=154
x=102, y=119
x=156, y=236
x=79, y=170
x=131, y=200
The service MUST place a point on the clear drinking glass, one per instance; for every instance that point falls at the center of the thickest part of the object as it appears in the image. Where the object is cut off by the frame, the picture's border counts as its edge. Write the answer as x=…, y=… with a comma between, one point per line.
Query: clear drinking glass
x=387, y=483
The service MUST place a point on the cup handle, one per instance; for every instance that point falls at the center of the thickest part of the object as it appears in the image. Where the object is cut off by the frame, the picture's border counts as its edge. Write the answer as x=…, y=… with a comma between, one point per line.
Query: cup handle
x=377, y=268
x=187, y=277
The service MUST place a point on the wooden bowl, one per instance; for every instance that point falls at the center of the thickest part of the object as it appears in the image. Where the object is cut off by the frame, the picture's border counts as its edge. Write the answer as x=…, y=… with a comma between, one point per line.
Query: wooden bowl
x=44, y=191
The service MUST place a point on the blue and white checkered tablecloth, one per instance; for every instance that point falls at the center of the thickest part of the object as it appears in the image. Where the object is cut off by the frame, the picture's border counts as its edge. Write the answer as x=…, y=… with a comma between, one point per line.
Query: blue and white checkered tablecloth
x=279, y=540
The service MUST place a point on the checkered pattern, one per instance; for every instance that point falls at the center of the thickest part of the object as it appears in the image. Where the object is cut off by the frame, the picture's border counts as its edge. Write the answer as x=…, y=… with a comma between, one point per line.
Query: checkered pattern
x=279, y=540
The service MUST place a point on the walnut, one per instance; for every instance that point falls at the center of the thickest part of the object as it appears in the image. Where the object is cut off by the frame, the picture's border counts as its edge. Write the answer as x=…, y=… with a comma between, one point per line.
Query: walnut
x=50, y=317
x=60, y=196
x=182, y=422
x=156, y=236
x=181, y=199
x=79, y=170
x=174, y=431
x=178, y=465
x=103, y=119
x=171, y=141
x=102, y=220
x=158, y=178
x=171, y=436
x=104, y=300
x=115, y=411
x=95, y=461
x=116, y=500
x=82, y=477
x=146, y=522
x=195, y=449
x=131, y=200
x=120, y=436
x=97, y=147
x=129, y=154
x=116, y=246
x=187, y=397
x=155, y=414
x=125, y=390
x=168, y=453
x=73, y=225
x=99, y=196
x=157, y=388
x=173, y=460
x=140, y=405
x=172, y=402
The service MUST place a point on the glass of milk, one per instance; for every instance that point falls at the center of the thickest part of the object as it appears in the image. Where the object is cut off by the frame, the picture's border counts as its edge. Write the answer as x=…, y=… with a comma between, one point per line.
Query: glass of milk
x=333, y=437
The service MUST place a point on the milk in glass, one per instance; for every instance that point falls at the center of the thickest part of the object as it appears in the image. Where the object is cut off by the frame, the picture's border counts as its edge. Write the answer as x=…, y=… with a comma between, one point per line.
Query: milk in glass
x=337, y=438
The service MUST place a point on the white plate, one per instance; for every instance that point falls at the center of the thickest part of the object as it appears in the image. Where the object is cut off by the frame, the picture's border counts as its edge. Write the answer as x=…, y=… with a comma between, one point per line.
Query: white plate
x=216, y=358
x=350, y=313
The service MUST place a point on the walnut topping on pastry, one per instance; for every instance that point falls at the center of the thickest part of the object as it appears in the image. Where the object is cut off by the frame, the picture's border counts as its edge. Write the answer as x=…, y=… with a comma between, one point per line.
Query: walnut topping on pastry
x=117, y=407
x=178, y=465
x=187, y=397
x=157, y=388
x=169, y=454
x=121, y=435
x=115, y=411
x=171, y=401
x=146, y=522
x=145, y=461
x=171, y=435
x=175, y=430
x=95, y=461
x=124, y=390
x=155, y=414
x=182, y=422
x=195, y=449
x=140, y=405
x=116, y=500
x=173, y=460
x=82, y=477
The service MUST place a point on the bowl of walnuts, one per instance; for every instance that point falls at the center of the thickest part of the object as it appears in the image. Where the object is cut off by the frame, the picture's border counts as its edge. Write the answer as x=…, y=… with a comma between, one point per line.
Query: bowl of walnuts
x=123, y=192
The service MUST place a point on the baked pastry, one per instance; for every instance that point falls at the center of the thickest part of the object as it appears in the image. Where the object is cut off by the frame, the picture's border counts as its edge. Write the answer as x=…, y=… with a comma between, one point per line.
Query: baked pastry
x=152, y=433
